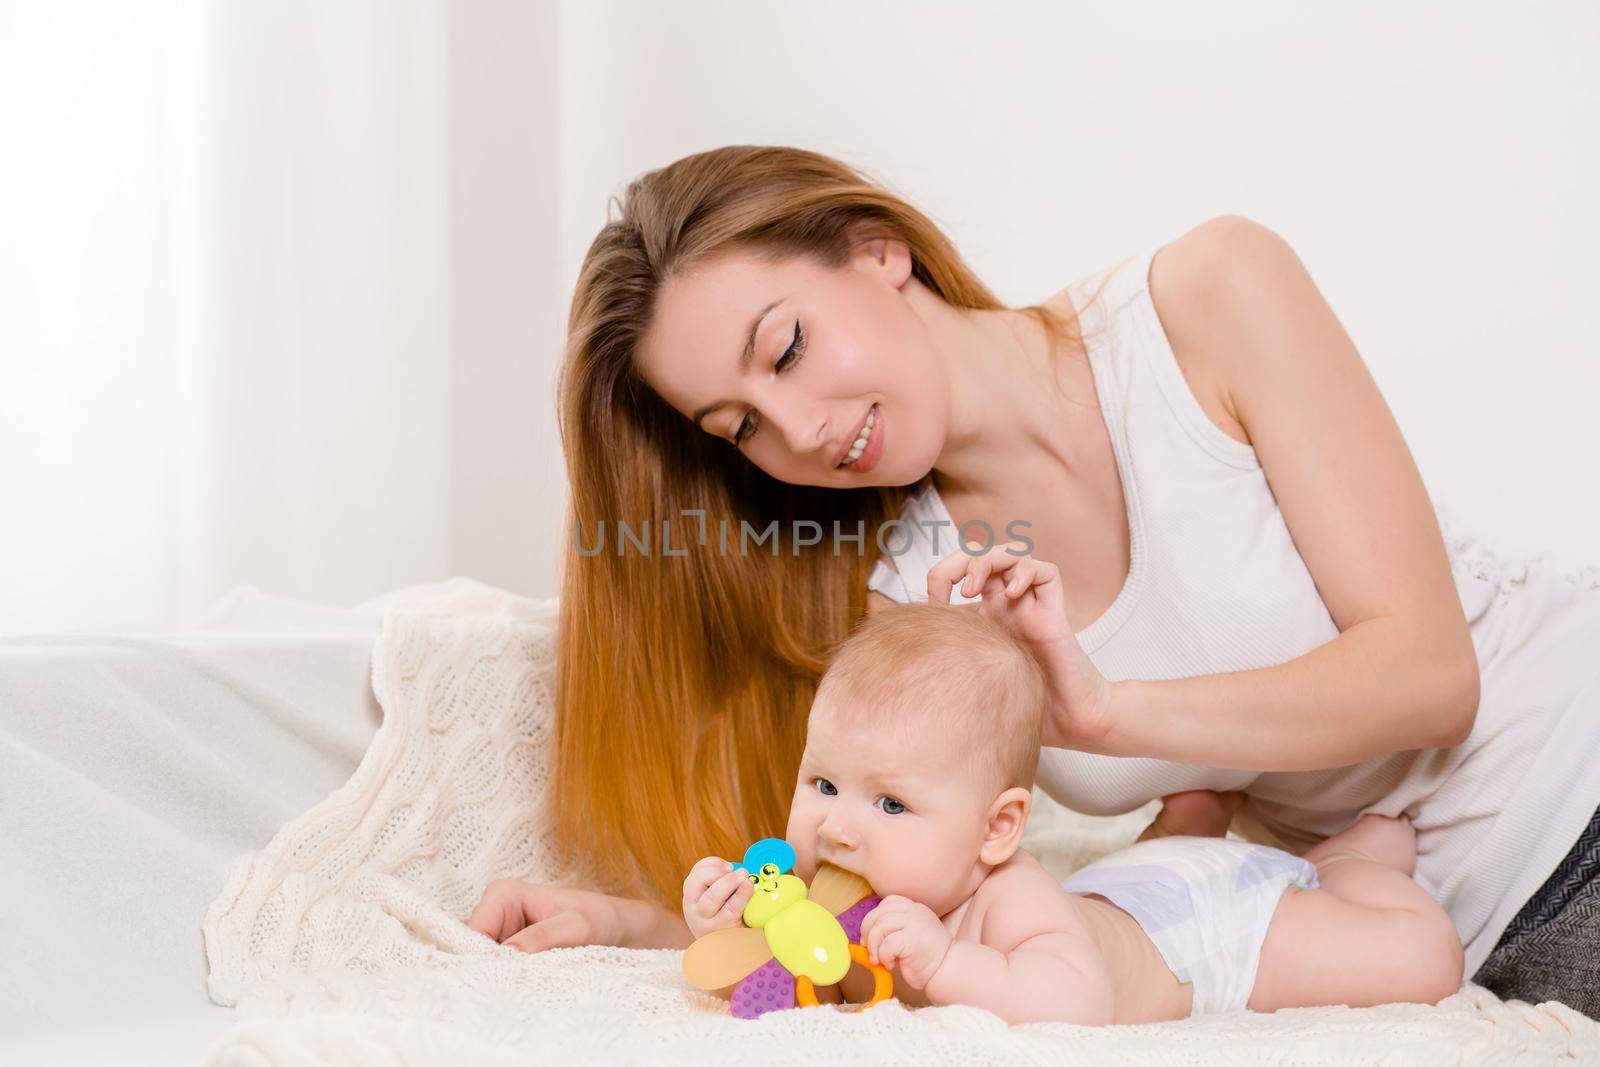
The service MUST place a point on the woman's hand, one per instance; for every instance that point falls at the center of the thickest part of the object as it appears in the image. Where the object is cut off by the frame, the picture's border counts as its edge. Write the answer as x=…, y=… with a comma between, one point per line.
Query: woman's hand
x=714, y=896
x=1025, y=596
x=1200, y=812
x=532, y=918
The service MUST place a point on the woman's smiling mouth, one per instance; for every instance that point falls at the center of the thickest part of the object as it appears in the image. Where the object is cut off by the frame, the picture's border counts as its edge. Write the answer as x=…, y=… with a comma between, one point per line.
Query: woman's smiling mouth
x=868, y=446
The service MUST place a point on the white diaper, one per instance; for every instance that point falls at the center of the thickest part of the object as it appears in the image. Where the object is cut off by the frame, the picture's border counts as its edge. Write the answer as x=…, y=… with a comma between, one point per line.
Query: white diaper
x=1205, y=902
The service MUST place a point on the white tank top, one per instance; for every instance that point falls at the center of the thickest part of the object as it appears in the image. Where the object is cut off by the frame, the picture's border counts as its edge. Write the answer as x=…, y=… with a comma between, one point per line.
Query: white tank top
x=1216, y=584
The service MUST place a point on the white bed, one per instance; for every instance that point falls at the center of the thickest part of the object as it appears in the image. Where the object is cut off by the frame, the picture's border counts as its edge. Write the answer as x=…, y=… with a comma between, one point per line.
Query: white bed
x=234, y=775
x=134, y=769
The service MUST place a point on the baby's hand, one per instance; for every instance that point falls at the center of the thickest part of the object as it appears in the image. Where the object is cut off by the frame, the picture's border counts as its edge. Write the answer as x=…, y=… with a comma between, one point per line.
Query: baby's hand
x=714, y=895
x=901, y=932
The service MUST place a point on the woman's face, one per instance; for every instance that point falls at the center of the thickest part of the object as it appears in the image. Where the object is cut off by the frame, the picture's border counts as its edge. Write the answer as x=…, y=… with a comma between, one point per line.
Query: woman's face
x=829, y=348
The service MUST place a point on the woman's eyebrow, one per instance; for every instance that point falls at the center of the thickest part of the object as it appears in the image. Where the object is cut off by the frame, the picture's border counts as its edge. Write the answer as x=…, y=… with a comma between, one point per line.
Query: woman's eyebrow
x=744, y=357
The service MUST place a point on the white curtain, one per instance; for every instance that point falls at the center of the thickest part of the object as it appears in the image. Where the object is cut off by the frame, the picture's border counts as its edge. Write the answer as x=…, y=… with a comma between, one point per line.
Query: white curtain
x=282, y=282
x=226, y=337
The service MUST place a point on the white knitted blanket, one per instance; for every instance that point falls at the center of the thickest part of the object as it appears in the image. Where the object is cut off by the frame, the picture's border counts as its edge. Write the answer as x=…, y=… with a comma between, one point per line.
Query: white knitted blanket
x=344, y=940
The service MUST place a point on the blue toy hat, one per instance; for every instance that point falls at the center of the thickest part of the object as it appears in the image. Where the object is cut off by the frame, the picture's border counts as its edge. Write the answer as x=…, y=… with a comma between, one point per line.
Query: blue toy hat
x=768, y=850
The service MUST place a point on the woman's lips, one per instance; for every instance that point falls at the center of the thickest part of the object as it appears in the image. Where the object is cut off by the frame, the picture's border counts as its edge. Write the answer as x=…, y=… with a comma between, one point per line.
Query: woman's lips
x=873, y=448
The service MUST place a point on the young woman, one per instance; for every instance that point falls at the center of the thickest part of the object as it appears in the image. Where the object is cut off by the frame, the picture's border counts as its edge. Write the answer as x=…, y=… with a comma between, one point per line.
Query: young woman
x=770, y=357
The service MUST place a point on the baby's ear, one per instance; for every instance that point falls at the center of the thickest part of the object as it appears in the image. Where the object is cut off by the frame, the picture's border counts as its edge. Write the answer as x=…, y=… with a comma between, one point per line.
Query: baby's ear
x=1007, y=816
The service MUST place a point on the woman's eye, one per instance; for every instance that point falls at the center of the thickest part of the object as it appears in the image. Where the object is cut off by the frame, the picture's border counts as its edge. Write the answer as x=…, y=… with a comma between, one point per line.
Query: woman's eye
x=826, y=788
x=796, y=349
x=890, y=805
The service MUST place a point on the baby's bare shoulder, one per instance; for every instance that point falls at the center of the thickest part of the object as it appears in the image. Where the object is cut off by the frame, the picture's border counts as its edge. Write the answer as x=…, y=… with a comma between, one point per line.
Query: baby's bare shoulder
x=1020, y=900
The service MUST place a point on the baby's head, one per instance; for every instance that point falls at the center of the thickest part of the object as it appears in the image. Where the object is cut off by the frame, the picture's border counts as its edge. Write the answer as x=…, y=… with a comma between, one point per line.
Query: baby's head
x=920, y=756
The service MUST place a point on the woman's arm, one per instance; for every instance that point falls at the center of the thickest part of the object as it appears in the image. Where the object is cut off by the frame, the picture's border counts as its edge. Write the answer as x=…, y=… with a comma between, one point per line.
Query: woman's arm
x=1372, y=690
x=533, y=917
x=652, y=926
x=1235, y=301
x=1239, y=308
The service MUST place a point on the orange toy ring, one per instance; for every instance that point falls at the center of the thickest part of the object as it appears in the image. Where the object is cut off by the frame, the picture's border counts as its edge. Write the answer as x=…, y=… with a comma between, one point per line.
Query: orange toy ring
x=805, y=993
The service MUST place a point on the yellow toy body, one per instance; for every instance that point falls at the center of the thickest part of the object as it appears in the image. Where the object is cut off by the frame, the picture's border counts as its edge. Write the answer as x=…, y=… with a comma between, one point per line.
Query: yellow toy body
x=803, y=935
x=793, y=940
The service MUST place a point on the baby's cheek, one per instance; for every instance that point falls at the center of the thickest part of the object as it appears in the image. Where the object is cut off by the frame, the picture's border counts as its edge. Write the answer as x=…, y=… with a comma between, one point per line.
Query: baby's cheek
x=896, y=871
x=801, y=833
x=791, y=832
x=917, y=867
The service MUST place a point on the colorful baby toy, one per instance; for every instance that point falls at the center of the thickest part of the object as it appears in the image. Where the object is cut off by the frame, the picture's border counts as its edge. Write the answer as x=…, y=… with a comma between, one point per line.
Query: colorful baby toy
x=792, y=941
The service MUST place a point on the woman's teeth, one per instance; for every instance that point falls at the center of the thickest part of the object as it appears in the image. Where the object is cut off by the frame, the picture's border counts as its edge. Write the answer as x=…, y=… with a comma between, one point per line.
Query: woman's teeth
x=861, y=442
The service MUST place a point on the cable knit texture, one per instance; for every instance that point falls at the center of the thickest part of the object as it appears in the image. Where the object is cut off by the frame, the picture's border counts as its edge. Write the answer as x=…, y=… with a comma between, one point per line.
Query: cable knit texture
x=344, y=940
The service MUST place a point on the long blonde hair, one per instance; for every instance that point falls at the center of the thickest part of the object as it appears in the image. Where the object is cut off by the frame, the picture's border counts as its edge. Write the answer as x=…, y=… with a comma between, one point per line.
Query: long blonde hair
x=683, y=681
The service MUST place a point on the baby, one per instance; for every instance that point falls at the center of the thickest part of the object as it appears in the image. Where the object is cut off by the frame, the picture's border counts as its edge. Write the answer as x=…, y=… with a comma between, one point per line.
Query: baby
x=921, y=750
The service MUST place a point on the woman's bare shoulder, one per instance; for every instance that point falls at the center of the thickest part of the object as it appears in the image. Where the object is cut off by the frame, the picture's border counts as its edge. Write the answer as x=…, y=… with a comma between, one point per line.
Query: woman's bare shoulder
x=1183, y=274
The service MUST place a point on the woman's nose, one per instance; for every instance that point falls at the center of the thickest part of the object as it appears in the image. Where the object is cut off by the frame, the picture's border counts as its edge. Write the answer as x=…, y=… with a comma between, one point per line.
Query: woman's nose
x=803, y=429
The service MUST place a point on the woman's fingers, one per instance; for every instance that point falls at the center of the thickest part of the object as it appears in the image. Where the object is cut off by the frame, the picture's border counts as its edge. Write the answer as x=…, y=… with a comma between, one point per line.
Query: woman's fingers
x=972, y=568
x=1021, y=578
x=564, y=929
x=978, y=568
x=1040, y=574
x=943, y=576
x=485, y=917
x=510, y=908
x=507, y=905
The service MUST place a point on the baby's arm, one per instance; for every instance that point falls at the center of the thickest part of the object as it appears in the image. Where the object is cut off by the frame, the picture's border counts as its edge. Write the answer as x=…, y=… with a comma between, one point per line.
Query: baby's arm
x=1054, y=977
x=1053, y=971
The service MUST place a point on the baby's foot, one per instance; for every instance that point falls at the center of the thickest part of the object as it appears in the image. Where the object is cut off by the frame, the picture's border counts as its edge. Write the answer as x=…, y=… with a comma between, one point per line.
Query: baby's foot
x=1389, y=841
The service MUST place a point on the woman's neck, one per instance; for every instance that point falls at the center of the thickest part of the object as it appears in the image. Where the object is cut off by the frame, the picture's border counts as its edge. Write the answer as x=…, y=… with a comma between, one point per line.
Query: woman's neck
x=1015, y=413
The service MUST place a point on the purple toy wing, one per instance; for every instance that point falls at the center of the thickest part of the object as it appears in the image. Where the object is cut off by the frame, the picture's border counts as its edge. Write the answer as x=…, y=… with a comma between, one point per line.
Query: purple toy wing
x=767, y=988
x=851, y=917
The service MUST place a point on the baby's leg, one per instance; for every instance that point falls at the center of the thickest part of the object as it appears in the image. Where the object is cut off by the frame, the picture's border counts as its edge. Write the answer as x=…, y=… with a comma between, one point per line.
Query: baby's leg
x=1370, y=935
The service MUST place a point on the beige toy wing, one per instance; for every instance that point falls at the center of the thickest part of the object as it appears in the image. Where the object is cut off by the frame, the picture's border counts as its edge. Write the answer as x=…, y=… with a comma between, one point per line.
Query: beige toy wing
x=837, y=889
x=723, y=957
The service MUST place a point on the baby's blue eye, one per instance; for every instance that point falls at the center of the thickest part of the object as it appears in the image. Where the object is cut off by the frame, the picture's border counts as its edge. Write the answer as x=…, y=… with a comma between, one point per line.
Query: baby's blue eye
x=890, y=805
x=827, y=788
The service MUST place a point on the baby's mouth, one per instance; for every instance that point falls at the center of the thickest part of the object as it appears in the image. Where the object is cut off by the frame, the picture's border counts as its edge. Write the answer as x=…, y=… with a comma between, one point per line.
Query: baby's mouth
x=846, y=867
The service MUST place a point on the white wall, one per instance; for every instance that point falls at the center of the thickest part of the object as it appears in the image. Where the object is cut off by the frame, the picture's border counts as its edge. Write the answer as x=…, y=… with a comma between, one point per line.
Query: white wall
x=278, y=303
x=1434, y=164
x=508, y=310
x=283, y=284
x=324, y=366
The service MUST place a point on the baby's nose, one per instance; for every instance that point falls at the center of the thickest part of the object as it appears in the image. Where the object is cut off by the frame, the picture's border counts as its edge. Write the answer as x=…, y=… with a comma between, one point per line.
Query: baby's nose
x=838, y=832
